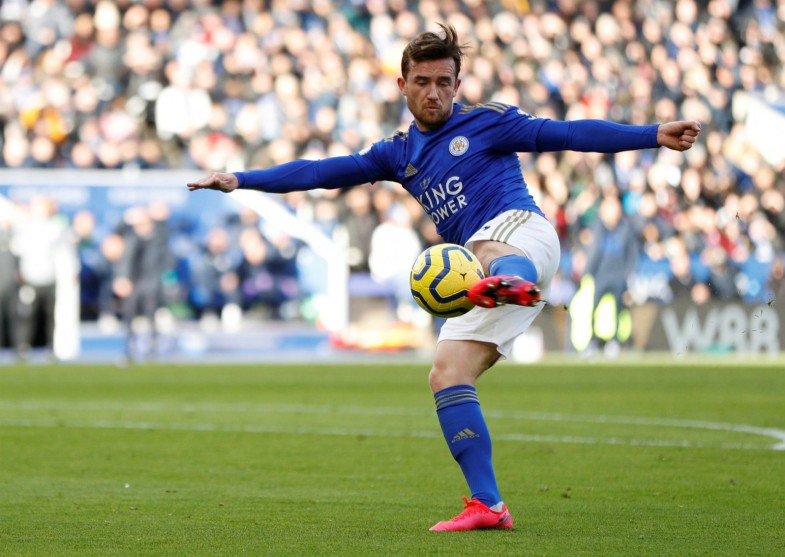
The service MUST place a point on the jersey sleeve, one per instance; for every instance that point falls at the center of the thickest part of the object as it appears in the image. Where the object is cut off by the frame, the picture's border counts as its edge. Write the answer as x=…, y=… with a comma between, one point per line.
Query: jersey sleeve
x=514, y=130
x=597, y=136
x=302, y=175
x=518, y=131
x=370, y=165
x=380, y=160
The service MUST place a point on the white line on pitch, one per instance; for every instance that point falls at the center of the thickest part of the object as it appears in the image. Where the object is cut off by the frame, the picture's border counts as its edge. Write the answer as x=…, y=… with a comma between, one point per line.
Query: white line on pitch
x=244, y=408
x=347, y=432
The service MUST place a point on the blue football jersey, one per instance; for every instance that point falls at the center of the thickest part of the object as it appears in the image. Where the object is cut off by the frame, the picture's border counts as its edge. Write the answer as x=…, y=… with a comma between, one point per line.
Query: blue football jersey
x=464, y=173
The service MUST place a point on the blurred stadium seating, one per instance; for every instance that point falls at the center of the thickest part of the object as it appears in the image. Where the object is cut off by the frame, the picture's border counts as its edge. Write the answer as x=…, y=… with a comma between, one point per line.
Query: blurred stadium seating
x=134, y=90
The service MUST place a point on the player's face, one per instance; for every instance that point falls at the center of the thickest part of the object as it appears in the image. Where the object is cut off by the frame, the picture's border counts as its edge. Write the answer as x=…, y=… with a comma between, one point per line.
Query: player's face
x=429, y=90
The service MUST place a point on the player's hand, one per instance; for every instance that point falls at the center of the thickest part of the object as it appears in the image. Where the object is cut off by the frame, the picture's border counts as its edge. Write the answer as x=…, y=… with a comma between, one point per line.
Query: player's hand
x=221, y=181
x=678, y=136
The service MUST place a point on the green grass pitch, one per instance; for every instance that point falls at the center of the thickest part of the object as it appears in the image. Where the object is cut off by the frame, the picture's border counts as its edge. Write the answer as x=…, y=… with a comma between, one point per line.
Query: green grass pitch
x=628, y=459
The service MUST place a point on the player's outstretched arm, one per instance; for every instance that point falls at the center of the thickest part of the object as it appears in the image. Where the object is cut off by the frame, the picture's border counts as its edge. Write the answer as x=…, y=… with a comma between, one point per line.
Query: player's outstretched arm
x=297, y=175
x=221, y=181
x=678, y=136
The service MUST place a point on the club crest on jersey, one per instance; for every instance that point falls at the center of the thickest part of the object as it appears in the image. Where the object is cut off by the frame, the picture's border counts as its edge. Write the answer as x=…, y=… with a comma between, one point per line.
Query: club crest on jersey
x=458, y=146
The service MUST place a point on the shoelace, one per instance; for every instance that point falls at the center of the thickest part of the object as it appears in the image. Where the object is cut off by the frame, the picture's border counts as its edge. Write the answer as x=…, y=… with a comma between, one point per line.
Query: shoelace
x=470, y=507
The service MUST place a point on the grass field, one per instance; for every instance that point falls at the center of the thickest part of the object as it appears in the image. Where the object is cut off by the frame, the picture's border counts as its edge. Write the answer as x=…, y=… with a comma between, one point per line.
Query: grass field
x=593, y=459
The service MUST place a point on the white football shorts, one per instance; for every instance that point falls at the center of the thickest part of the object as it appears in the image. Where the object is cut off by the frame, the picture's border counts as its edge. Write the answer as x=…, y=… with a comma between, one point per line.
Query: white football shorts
x=537, y=239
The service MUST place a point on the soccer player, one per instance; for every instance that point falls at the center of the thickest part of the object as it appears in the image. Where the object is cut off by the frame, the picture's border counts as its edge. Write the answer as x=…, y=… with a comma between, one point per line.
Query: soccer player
x=460, y=163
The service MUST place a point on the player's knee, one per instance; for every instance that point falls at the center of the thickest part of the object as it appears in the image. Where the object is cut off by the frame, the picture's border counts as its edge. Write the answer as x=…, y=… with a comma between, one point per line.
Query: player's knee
x=449, y=370
x=442, y=377
x=489, y=250
x=435, y=378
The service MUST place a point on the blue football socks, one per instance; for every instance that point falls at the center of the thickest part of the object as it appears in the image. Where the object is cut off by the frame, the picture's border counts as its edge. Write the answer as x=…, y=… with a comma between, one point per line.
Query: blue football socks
x=467, y=436
x=513, y=265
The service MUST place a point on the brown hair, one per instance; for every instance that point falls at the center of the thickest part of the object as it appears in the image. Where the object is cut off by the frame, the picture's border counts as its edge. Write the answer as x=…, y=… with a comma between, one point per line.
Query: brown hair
x=430, y=46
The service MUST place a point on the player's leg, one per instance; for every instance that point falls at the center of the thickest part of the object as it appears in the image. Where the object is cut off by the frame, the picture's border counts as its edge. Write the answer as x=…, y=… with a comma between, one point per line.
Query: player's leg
x=501, y=258
x=509, y=248
x=456, y=367
x=460, y=362
x=470, y=344
x=511, y=277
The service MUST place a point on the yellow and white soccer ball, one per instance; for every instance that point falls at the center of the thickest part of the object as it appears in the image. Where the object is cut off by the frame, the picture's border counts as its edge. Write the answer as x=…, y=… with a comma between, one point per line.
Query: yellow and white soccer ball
x=441, y=278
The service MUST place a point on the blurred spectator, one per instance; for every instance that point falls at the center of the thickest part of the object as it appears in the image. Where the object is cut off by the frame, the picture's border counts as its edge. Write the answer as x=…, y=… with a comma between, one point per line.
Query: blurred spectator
x=283, y=266
x=394, y=247
x=719, y=273
x=91, y=263
x=265, y=284
x=235, y=85
x=359, y=221
x=257, y=282
x=37, y=243
x=139, y=276
x=8, y=283
x=683, y=287
x=168, y=289
x=610, y=261
x=777, y=281
x=216, y=279
x=110, y=293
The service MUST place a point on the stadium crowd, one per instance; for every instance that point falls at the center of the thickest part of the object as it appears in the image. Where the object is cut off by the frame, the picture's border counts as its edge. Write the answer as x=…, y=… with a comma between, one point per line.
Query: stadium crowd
x=241, y=84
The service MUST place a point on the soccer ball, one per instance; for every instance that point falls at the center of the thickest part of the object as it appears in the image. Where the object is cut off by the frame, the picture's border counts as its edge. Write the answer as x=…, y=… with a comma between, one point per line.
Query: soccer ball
x=441, y=278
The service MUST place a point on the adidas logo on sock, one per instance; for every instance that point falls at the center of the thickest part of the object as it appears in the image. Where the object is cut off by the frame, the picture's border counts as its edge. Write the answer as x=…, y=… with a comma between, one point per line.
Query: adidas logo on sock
x=464, y=434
